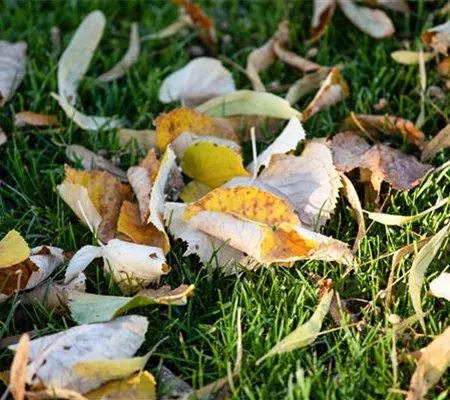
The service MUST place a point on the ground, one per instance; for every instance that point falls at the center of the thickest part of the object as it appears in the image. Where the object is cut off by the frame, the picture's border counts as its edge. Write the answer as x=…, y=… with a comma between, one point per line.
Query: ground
x=201, y=337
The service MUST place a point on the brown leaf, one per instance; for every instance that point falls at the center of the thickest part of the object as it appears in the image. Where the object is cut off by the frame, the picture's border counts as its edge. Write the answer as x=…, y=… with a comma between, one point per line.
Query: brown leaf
x=333, y=90
x=444, y=67
x=34, y=119
x=19, y=367
x=323, y=11
x=145, y=139
x=440, y=142
x=305, y=85
x=13, y=59
x=348, y=150
x=16, y=277
x=438, y=37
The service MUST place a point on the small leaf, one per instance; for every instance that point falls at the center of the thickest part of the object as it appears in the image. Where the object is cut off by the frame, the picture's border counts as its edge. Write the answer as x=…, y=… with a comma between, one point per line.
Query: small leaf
x=440, y=286
x=440, y=142
x=438, y=37
x=31, y=118
x=323, y=11
x=19, y=368
x=409, y=57
x=13, y=61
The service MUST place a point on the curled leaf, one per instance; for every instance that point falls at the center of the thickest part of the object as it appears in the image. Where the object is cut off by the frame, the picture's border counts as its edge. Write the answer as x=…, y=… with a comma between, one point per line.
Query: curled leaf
x=322, y=13
x=19, y=368
x=305, y=85
x=440, y=142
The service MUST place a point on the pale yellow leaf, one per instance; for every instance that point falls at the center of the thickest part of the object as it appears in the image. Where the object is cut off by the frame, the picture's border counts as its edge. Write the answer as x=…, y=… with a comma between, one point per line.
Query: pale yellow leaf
x=408, y=57
x=19, y=368
x=13, y=249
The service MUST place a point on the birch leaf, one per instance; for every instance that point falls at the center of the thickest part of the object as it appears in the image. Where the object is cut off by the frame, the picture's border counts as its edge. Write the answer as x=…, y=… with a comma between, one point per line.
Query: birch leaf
x=407, y=57
x=438, y=37
x=13, y=60
x=322, y=13
x=129, y=59
x=420, y=266
x=305, y=334
x=200, y=80
x=247, y=102
x=31, y=118
x=13, y=249
x=75, y=61
x=53, y=356
x=88, y=308
x=19, y=368
x=440, y=286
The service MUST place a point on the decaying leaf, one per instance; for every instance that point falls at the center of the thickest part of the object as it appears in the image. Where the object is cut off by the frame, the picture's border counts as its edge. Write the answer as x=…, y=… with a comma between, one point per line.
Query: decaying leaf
x=333, y=90
x=373, y=22
x=420, y=266
x=77, y=56
x=13, y=59
x=52, y=356
x=408, y=57
x=438, y=37
x=87, y=308
x=247, y=102
x=440, y=286
x=171, y=125
x=323, y=11
x=31, y=118
x=96, y=197
x=305, y=85
x=129, y=59
x=440, y=142
x=145, y=139
x=19, y=368
x=91, y=161
x=305, y=334
x=211, y=164
x=433, y=362
x=200, y=80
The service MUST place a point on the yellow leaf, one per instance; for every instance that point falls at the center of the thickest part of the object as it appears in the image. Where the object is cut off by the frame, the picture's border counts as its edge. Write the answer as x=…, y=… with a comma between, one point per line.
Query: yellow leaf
x=211, y=164
x=194, y=191
x=249, y=203
x=13, y=249
x=409, y=57
x=137, y=387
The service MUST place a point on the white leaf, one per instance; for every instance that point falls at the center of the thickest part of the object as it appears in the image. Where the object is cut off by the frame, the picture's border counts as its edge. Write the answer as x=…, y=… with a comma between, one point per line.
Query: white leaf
x=13, y=60
x=77, y=56
x=81, y=260
x=440, y=287
x=46, y=263
x=52, y=356
x=200, y=80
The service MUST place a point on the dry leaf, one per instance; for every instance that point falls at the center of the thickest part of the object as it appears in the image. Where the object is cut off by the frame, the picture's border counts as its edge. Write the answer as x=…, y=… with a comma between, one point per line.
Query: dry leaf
x=444, y=67
x=13, y=61
x=194, y=191
x=305, y=334
x=373, y=22
x=333, y=90
x=394, y=5
x=54, y=392
x=433, y=362
x=323, y=11
x=87, y=308
x=440, y=142
x=19, y=368
x=13, y=249
x=182, y=22
x=438, y=37
x=200, y=80
x=34, y=119
x=3, y=137
x=77, y=56
x=91, y=161
x=440, y=286
x=53, y=356
x=409, y=57
x=305, y=85
x=129, y=59
x=145, y=139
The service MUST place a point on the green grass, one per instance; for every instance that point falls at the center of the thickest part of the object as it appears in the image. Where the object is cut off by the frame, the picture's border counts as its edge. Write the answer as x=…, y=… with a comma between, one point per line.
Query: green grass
x=201, y=344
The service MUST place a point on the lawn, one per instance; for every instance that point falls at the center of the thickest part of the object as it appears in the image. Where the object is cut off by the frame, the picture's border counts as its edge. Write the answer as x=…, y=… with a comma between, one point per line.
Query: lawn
x=350, y=362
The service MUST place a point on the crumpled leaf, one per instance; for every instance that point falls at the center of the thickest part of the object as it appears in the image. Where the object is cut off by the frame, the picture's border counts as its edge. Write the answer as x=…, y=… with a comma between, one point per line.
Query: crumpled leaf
x=52, y=356
x=91, y=161
x=306, y=333
x=76, y=58
x=13, y=249
x=129, y=59
x=202, y=79
x=247, y=102
x=438, y=37
x=398, y=220
x=137, y=387
x=31, y=118
x=440, y=142
x=373, y=22
x=322, y=13
x=170, y=126
x=333, y=90
x=194, y=191
x=305, y=85
x=440, y=286
x=19, y=368
x=420, y=266
x=87, y=122
x=87, y=308
x=13, y=61
x=145, y=139
x=211, y=164
x=408, y=57
x=433, y=362
x=96, y=197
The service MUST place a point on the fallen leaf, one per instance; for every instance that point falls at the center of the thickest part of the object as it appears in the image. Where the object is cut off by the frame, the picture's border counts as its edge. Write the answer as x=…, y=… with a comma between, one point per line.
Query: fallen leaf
x=137, y=387
x=211, y=164
x=171, y=125
x=87, y=308
x=87, y=122
x=322, y=13
x=202, y=79
x=170, y=386
x=3, y=137
x=440, y=142
x=182, y=22
x=129, y=59
x=394, y=5
x=333, y=90
x=52, y=356
x=19, y=368
x=247, y=102
x=55, y=38
x=145, y=139
x=194, y=191
x=91, y=161
x=13, y=61
x=373, y=22
x=305, y=85
x=54, y=392
x=13, y=249
x=440, y=286
x=76, y=58
x=444, y=67
x=420, y=266
x=408, y=57
x=31, y=118
x=438, y=37
x=433, y=362
x=306, y=333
